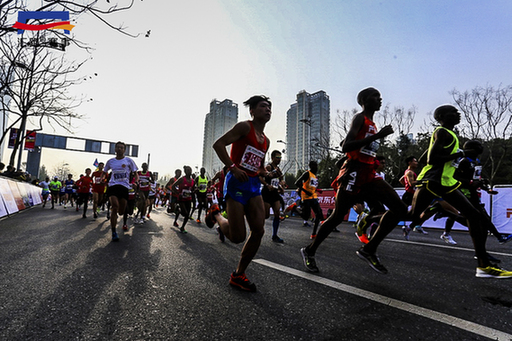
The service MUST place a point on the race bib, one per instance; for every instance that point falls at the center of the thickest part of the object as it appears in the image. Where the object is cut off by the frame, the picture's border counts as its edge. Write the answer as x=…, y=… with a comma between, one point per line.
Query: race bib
x=274, y=182
x=372, y=148
x=186, y=193
x=97, y=180
x=313, y=182
x=202, y=187
x=252, y=158
x=477, y=175
x=119, y=175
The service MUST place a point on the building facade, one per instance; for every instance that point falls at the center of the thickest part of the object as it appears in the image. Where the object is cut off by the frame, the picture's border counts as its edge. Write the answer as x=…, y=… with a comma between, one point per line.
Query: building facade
x=221, y=118
x=307, y=129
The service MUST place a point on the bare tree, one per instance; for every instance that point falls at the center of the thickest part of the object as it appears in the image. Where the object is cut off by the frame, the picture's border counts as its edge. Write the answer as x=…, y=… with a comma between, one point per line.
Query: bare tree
x=37, y=89
x=487, y=116
x=34, y=77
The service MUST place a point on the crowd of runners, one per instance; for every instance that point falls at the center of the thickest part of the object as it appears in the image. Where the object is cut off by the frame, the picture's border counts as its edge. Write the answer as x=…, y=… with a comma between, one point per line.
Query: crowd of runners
x=246, y=189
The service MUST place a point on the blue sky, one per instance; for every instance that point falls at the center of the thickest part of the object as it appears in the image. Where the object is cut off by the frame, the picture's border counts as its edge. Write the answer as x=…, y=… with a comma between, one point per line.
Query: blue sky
x=156, y=91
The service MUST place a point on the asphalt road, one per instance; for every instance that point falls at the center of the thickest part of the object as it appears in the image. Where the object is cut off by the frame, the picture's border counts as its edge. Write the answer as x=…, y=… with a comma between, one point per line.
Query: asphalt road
x=62, y=279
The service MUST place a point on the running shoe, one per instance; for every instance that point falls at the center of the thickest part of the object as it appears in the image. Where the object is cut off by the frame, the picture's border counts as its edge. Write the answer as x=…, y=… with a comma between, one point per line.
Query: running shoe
x=361, y=223
x=420, y=229
x=210, y=217
x=503, y=239
x=448, y=239
x=176, y=224
x=306, y=224
x=309, y=261
x=198, y=221
x=363, y=239
x=372, y=260
x=148, y=216
x=84, y=216
x=182, y=230
x=313, y=236
x=335, y=230
x=115, y=237
x=95, y=215
x=221, y=235
x=125, y=228
x=242, y=282
x=76, y=208
x=276, y=239
x=406, y=231
x=492, y=272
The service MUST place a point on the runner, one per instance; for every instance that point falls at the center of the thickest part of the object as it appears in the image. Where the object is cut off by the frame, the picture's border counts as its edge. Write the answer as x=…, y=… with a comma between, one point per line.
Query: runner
x=184, y=187
x=46, y=189
x=242, y=186
x=271, y=192
x=218, y=182
x=202, y=187
x=84, y=185
x=437, y=180
x=68, y=190
x=55, y=187
x=307, y=186
x=119, y=184
x=358, y=182
x=153, y=193
x=130, y=205
x=145, y=181
x=98, y=189
x=173, y=198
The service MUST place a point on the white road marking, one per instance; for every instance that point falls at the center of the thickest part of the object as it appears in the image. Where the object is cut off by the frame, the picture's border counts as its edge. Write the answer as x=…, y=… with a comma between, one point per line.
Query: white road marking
x=453, y=247
x=410, y=308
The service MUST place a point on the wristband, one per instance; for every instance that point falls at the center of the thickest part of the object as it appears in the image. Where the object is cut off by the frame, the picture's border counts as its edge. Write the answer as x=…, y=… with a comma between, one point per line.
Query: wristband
x=231, y=167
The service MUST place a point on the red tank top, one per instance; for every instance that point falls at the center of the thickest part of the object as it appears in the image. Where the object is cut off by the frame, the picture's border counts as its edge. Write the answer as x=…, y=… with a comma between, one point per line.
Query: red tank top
x=248, y=154
x=408, y=187
x=185, y=189
x=367, y=153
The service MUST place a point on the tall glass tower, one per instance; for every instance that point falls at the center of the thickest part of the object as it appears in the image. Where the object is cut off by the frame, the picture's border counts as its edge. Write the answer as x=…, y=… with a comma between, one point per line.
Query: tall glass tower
x=307, y=126
x=222, y=117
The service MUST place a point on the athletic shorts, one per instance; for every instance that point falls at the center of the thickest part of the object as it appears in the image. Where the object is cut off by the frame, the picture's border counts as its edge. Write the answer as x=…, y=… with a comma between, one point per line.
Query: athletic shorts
x=118, y=191
x=354, y=175
x=201, y=196
x=270, y=197
x=407, y=198
x=145, y=194
x=242, y=191
x=436, y=188
x=98, y=188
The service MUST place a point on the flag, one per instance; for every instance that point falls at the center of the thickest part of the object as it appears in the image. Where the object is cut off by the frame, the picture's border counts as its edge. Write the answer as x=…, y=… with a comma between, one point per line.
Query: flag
x=96, y=163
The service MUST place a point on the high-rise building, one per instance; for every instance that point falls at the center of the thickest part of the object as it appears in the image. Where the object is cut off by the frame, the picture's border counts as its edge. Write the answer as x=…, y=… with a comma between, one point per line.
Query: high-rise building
x=307, y=129
x=222, y=117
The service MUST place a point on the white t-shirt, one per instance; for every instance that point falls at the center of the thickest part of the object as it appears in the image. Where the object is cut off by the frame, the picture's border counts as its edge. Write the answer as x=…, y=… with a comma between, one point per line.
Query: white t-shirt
x=120, y=171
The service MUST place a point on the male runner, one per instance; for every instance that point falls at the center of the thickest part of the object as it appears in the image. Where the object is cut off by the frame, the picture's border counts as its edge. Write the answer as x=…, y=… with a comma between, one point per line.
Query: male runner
x=437, y=180
x=358, y=182
x=145, y=181
x=119, y=184
x=55, y=187
x=271, y=192
x=46, y=189
x=84, y=189
x=242, y=186
x=202, y=187
x=307, y=186
x=98, y=188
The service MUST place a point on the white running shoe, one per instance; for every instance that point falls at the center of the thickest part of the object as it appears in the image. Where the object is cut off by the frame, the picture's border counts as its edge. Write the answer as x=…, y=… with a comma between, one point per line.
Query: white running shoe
x=448, y=239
